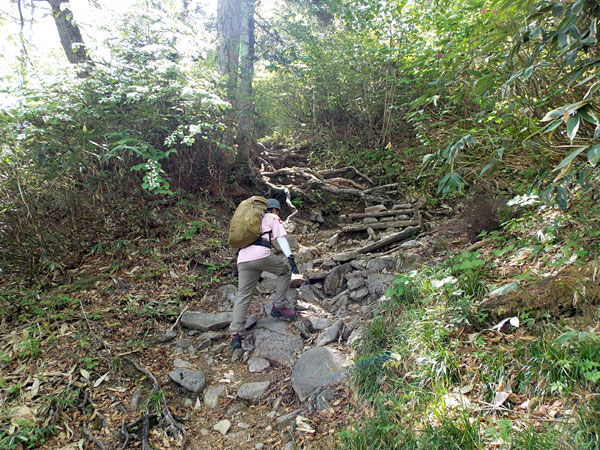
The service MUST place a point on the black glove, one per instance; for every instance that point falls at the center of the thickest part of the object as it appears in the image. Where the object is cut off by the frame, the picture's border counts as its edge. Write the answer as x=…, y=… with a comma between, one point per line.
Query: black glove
x=293, y=265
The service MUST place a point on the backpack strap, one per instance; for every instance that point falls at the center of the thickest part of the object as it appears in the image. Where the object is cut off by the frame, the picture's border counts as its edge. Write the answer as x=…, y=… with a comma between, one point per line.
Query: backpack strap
x=263, y=242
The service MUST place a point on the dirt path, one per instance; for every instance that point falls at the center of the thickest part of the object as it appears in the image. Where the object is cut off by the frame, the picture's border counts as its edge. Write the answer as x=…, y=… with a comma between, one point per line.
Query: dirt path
x=112, y=369
x=342, y=283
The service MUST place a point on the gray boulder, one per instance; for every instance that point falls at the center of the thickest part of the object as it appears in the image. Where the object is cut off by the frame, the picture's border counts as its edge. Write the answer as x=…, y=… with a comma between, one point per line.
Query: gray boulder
x=205, y=321
x=359, y=294
x=224, y=297
x=334, y=282
x=378, y=283
x=380, y=264
x=330, y=334
x=253, y=391
x=273, y=341
x=307, y=293
x=192, y=380
x=346, y=256
x=257, y=364
x=375, y=209
x=317, y=368
x=355, y=283
x=318, y=323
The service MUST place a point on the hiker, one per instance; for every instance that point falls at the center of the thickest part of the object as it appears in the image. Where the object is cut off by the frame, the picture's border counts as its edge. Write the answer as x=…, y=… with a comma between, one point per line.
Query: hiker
x=255, y=259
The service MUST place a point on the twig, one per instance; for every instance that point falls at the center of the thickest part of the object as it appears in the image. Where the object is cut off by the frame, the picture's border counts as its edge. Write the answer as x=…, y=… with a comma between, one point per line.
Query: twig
x=179, y=318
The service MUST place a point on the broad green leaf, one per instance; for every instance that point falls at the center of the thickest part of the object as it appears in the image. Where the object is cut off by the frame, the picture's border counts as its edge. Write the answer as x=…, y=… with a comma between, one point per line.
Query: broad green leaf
x=442, y=184
x=566, y=336
x=504, y=289
x=570, y=158
x=428, y=158
x=589, y=115
x=565, y=165
x=557, y=10
x=553, y=125
x=559, y=112
x=573, y=126
x=594, y=154
x=555, y=113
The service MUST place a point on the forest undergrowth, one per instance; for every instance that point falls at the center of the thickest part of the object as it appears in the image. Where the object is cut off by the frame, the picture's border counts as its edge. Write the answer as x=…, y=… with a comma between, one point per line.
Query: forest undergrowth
x=444, y=364
x=495, y=347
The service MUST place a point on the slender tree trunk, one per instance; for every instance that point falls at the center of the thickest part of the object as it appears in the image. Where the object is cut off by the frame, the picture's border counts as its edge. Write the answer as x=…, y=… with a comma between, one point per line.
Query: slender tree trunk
x=70, y=36
x=245, y=103
x=228, y=38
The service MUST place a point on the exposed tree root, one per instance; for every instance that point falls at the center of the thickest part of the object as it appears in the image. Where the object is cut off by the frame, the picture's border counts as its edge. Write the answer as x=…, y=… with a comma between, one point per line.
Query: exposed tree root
x=87, y=433
x=342, y=191
x=167, y=420
x=333, y=172
x=283, y=190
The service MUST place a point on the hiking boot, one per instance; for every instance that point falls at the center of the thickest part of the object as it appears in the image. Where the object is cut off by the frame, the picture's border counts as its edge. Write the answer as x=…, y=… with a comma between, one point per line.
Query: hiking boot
x=286, y=313
x=236, y=341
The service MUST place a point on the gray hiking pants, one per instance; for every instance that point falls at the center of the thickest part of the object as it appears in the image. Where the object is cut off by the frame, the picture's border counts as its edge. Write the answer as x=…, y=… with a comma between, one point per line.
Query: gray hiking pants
x=248, y=275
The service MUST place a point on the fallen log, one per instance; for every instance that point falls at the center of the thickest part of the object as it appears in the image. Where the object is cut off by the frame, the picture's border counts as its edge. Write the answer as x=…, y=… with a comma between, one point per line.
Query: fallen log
x=404, y=234
x=379, y=225
x=358, y=216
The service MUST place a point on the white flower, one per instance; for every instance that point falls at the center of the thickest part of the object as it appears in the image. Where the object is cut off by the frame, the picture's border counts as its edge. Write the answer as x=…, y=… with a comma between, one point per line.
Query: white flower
x=436, y=284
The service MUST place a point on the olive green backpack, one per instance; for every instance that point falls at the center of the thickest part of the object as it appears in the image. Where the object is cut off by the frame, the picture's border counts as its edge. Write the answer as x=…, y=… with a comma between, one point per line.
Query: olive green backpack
x=244, y=228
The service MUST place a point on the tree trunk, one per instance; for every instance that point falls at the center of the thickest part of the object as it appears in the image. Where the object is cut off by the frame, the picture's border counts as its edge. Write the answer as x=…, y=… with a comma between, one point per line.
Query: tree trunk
x=244, y=102
x=228, y=38
x=70, y=36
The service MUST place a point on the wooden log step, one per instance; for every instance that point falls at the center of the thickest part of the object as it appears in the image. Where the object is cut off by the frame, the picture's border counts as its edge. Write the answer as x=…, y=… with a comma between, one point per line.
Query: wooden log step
x=379, y=225
x=402, y=235
x=358, y=216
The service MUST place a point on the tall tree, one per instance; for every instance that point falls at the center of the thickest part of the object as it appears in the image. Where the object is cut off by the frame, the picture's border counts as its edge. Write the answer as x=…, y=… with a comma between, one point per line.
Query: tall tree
x=245, y=104
x=228, y=40
x=68, y=31
x=235, y=59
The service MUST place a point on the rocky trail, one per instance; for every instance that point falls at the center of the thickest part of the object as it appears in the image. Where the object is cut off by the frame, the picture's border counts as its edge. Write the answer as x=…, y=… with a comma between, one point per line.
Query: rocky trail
x=286, y=388
x=138, y=355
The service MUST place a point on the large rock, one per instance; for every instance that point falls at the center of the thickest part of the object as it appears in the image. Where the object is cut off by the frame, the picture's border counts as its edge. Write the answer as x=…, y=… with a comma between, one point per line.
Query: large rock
x=316, y=215
x=330, y=334
x=334, y=282
x=314, y=276
x=359, y=294
x=205, y=321
x=380, y=264
x=257, y=364
x=192, y=380
x=224, y=297
x=253, y=391
x=317, y=368
x=275, y=342
x=318, y=323
x=268, y=283
x=378, y=283
x=355, y=283
x=346, y=256
x=307, y=293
